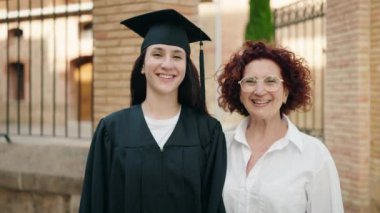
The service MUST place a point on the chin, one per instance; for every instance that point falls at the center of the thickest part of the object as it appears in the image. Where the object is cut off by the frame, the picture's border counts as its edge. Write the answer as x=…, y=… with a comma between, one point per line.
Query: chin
x=262, y=115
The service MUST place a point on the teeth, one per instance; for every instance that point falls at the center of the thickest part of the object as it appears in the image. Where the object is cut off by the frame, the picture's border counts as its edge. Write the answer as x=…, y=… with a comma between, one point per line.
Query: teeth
x=166, y=76
x=260, y=101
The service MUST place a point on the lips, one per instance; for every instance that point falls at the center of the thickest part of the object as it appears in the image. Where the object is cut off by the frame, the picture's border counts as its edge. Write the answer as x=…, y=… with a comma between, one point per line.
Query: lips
x=166, y=76
x=260, y=102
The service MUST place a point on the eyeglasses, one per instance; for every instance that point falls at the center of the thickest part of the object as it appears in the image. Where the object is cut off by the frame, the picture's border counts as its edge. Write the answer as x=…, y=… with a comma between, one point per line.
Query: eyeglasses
x=270, y=83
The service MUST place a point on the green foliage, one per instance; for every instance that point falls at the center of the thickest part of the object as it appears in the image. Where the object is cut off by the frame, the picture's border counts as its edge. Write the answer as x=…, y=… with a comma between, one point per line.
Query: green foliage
x=260, y=24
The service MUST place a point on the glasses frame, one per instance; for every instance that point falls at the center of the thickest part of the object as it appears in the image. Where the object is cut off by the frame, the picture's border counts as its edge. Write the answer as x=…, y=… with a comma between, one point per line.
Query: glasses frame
x=241, y=82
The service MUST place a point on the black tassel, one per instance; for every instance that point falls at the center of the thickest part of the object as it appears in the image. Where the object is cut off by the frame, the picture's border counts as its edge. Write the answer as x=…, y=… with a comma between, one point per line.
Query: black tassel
x=202, y=71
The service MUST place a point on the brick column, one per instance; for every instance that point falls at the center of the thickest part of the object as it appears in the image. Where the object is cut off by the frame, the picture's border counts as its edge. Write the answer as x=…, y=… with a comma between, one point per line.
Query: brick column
x=348, y=98
x=375, y=106
x=116, y=48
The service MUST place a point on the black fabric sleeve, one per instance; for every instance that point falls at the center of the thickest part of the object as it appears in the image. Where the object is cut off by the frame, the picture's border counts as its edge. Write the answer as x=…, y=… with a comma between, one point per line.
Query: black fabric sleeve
x=215, y=172
x=95, y=188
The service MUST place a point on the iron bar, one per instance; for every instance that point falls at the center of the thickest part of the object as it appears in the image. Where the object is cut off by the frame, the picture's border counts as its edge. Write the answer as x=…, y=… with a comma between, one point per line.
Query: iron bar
x=54, y=71
x=79, y=74
x=18, y=73
x=66, y=69
x=7, y=68
x=314, y=76
x=42, y=73
x=30, y=97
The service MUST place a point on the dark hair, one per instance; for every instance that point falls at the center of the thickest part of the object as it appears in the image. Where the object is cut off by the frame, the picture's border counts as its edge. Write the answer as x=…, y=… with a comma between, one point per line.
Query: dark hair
x=294, y=71
x=188, y=91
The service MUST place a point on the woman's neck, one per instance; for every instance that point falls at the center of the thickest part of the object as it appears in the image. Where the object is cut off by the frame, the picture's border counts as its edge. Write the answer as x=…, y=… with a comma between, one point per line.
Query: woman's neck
x=265, y=131
x=160, y=108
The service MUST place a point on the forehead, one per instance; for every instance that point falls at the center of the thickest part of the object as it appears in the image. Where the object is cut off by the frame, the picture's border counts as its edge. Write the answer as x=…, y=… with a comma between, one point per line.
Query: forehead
x=261, y=68
x=165, y=47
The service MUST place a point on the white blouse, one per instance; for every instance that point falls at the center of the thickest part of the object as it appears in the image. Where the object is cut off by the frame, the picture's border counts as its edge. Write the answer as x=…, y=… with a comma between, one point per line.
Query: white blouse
x=296, y=175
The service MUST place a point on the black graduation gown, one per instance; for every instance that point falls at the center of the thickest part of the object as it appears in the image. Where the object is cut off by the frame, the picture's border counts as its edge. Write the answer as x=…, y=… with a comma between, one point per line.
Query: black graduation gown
x=127, y=171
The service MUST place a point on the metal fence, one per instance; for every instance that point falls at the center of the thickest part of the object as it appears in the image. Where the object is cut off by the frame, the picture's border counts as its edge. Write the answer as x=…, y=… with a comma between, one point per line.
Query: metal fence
x=46, y=83
x=300, y=27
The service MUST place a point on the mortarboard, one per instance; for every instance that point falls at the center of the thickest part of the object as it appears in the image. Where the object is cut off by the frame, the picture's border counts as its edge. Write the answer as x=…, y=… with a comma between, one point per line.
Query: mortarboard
x=171, y=28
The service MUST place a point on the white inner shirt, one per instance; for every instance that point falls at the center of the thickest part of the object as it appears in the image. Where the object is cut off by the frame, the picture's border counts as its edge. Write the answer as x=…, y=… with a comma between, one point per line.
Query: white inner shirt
x=296, y=175
x=162, y=129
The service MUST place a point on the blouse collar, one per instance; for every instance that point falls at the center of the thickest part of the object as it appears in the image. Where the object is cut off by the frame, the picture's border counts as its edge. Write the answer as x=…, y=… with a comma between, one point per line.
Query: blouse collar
x=292, y=136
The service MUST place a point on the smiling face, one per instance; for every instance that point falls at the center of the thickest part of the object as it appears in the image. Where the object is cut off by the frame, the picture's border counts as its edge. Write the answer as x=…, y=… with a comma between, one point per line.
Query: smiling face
x=261, y=103
x=164, y=69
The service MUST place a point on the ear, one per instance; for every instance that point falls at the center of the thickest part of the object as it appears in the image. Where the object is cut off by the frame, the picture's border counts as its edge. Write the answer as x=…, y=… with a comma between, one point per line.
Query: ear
x=285, y=97
x=142, y=69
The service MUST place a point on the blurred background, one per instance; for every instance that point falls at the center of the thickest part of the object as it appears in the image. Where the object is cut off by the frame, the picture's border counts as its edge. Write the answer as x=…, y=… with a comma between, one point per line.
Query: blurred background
x=64, y=64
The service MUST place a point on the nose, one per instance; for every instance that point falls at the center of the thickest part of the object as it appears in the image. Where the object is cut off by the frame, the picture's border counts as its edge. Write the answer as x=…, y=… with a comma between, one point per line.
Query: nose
x=167, y=63
x=260, y=89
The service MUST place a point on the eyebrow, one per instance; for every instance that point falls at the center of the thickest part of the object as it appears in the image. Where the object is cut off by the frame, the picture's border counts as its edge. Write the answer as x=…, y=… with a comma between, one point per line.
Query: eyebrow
x=179, y=51
x=263, y=76
x=162, y=49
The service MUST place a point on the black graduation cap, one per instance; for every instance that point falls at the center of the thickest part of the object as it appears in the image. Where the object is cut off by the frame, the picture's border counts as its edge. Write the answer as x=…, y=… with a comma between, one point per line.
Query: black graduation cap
x=168, y=27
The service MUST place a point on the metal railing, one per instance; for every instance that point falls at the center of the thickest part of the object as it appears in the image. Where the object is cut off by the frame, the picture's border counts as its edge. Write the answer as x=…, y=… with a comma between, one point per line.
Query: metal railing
x=46, y=83
x=300, y=27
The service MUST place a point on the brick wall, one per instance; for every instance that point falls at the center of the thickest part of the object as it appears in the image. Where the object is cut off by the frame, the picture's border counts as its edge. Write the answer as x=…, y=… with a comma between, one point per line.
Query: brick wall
x=116, y=48
x=375, y=106
x=347, y=98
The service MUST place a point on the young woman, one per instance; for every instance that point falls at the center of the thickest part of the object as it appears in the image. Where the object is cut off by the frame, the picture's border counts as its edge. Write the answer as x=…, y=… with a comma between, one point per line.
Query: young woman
x=164, y=153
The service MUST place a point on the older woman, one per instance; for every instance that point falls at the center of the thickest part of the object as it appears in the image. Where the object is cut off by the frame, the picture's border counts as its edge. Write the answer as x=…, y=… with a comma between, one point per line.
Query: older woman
x=271, y=165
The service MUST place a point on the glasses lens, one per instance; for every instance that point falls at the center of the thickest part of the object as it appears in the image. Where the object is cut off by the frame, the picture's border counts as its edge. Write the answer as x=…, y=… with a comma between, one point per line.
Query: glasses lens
x=271, y=83
x=248, y=84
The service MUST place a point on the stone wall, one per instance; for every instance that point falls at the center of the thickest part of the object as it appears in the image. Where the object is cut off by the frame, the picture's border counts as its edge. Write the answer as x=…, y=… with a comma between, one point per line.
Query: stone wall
x=41, y=177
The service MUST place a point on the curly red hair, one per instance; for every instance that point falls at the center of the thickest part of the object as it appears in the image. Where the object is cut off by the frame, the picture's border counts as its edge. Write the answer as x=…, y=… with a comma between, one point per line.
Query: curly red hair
x=294, y=71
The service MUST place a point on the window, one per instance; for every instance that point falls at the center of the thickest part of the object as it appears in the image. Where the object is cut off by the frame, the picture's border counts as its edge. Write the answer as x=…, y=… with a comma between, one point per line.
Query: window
x=16, y=81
